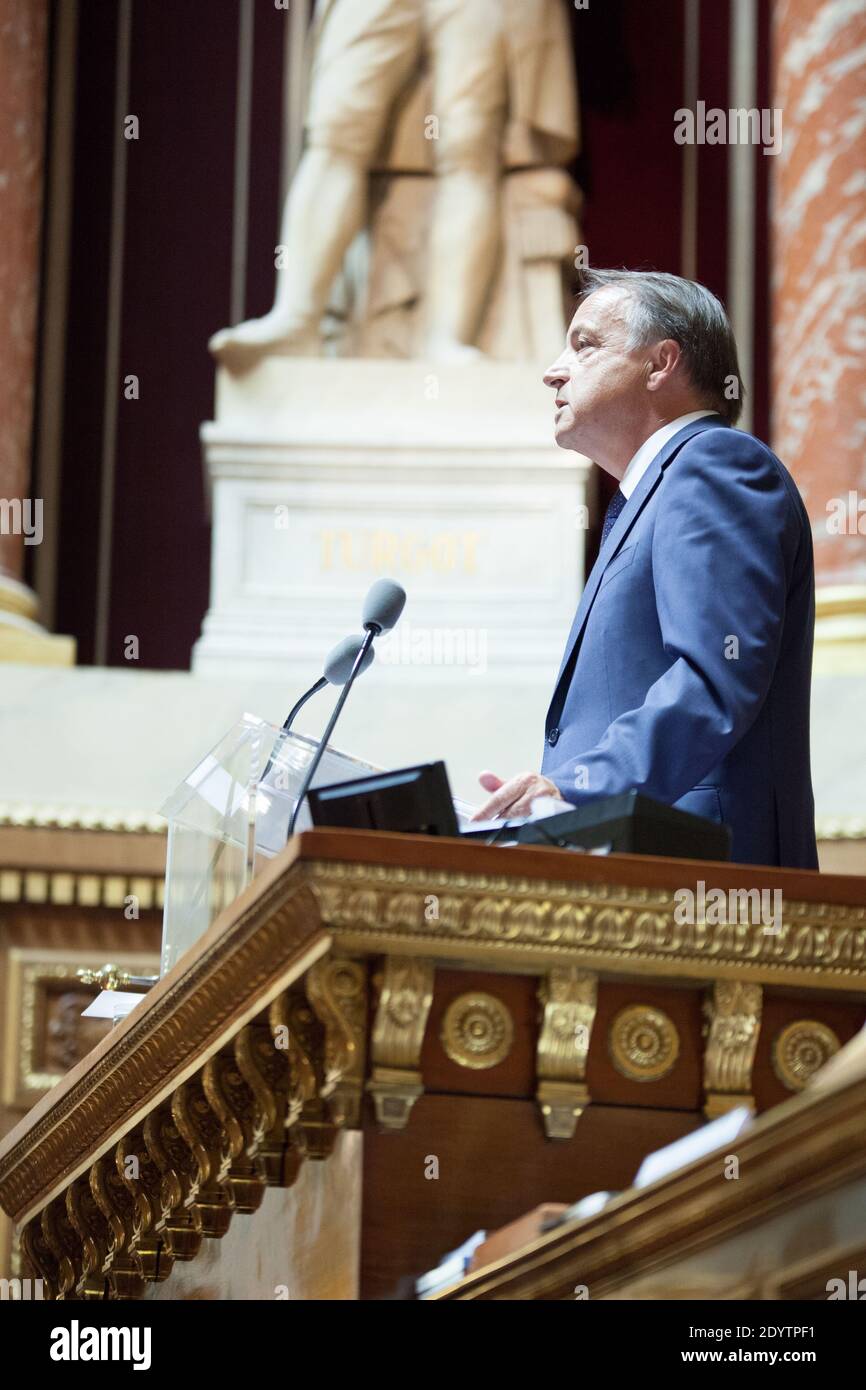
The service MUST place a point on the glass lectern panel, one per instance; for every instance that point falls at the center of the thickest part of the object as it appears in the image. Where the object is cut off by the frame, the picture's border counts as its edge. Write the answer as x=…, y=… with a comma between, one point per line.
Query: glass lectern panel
x=232, y=814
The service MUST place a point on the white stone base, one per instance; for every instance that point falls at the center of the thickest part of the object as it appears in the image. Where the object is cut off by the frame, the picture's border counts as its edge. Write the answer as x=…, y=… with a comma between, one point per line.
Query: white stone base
x=840, y=630
x=327, y=474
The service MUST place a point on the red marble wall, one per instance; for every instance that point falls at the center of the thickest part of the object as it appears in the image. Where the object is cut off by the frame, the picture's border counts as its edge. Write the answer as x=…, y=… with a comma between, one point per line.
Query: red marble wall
x=23, y=33
x=819, y=287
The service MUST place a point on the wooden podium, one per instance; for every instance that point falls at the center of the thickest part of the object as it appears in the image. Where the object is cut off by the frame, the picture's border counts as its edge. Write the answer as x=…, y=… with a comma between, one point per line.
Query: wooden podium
x=389, y=1042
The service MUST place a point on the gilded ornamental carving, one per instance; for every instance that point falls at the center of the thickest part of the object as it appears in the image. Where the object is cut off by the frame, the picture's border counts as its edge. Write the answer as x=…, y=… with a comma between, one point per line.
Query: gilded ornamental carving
x=800, y=1050
x=644, y=1043
x=733, y=1020
x=568, y=1002
x=477, y=1031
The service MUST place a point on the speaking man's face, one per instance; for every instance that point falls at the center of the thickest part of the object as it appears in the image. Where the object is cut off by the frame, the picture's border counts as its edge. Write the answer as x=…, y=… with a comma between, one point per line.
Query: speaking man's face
x=600, y=382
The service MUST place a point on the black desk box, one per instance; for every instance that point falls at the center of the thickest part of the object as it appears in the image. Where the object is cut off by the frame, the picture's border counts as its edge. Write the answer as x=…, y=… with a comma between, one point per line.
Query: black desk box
x=631, y=824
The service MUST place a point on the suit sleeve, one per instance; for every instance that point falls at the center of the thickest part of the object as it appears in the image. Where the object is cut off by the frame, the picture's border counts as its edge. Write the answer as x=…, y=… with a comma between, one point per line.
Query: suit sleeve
x=724, y=543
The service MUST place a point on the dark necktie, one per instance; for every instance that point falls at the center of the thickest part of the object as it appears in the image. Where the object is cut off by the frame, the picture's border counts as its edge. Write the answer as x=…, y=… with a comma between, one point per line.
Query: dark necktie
x=614, y=507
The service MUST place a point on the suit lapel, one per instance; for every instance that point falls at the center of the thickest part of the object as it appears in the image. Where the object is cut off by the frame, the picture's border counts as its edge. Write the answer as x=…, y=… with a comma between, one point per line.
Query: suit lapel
x=623, y=524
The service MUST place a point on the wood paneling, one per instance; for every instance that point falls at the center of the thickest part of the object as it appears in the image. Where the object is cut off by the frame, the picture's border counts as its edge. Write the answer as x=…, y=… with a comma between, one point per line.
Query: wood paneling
x=494, y=1164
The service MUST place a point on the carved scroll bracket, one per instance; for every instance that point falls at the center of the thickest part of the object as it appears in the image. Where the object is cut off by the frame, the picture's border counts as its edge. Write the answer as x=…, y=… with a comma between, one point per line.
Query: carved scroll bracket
x=568, y=999
x=405, y=997
x=337, y=991
x=733, y=1021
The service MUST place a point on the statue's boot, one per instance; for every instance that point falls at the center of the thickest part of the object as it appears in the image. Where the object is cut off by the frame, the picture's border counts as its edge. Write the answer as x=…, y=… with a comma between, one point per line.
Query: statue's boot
x=324, y=210
x=277, y=332
x=451, y=352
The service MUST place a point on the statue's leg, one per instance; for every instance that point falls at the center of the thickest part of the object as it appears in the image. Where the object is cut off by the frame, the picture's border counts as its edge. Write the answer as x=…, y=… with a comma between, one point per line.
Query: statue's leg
x=323, y=211
x=470, y=97
x=366, y=53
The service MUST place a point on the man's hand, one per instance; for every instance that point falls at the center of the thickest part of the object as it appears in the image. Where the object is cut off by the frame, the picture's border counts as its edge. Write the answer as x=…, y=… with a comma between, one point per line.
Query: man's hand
x=515, y=797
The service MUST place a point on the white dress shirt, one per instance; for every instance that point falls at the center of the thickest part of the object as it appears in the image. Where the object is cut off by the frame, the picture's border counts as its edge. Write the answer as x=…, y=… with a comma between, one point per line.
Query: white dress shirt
x=651, y=447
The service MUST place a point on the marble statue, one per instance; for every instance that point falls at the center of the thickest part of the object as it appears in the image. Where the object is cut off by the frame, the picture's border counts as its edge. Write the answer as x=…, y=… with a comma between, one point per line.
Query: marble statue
x=375, y=261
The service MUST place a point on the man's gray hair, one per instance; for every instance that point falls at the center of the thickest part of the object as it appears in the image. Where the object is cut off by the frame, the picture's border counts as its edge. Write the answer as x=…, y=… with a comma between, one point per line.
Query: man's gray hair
x=667, y=306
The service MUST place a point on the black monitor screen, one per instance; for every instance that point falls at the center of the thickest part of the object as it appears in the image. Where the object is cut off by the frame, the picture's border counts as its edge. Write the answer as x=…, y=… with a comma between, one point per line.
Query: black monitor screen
x=412, y=800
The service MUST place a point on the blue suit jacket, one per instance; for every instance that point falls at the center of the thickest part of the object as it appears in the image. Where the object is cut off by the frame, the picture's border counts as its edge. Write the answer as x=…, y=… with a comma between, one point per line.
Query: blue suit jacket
x=687, y=670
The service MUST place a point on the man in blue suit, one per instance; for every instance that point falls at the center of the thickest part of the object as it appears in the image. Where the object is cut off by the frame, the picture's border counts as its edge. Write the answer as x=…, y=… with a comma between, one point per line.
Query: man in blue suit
x=687, y=671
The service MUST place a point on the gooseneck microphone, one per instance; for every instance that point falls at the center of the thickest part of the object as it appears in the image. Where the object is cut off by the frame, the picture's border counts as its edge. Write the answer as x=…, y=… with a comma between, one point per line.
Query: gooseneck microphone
x=337, y=670
x=338, y=667
x=383, y=605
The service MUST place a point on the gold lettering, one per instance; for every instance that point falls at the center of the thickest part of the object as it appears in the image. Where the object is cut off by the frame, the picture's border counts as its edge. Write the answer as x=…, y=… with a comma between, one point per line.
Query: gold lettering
x=346, y=549
x=327, y=550
x=384, y=550
x=470, y=558
x=379, y=551
x=443, y=552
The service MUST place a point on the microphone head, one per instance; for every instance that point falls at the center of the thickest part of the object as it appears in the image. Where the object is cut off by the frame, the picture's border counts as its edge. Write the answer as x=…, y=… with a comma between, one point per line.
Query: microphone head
x=383, y=605
x=338, y=666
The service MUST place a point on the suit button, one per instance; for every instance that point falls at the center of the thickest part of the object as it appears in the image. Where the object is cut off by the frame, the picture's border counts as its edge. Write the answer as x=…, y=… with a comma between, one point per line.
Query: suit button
x=553, y=737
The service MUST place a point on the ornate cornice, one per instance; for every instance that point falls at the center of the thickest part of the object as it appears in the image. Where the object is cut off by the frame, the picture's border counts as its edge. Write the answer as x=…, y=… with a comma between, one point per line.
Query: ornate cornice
x=616, y=927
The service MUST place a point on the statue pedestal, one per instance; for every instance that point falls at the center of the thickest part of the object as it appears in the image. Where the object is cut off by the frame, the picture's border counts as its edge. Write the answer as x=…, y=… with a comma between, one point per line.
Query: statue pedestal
x=326, y=474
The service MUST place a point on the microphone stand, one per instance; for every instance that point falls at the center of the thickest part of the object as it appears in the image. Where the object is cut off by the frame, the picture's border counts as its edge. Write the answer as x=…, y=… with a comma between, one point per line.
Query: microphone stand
x=370, y=635
x=290, y=719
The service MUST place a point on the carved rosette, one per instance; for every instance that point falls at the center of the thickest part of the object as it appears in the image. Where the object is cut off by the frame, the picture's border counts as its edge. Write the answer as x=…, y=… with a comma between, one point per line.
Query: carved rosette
x=732, y=1011
x=800, y=1050
x=477, y=1031
x=643, y=1043
x=568, y=999
x=405, y=988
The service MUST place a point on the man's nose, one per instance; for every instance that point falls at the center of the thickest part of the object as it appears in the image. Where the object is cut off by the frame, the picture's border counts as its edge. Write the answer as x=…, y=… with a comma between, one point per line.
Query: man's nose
x=555, y=376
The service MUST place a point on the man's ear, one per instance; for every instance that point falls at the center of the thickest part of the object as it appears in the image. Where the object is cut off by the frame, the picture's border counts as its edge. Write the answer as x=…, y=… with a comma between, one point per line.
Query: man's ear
x=665, y=357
